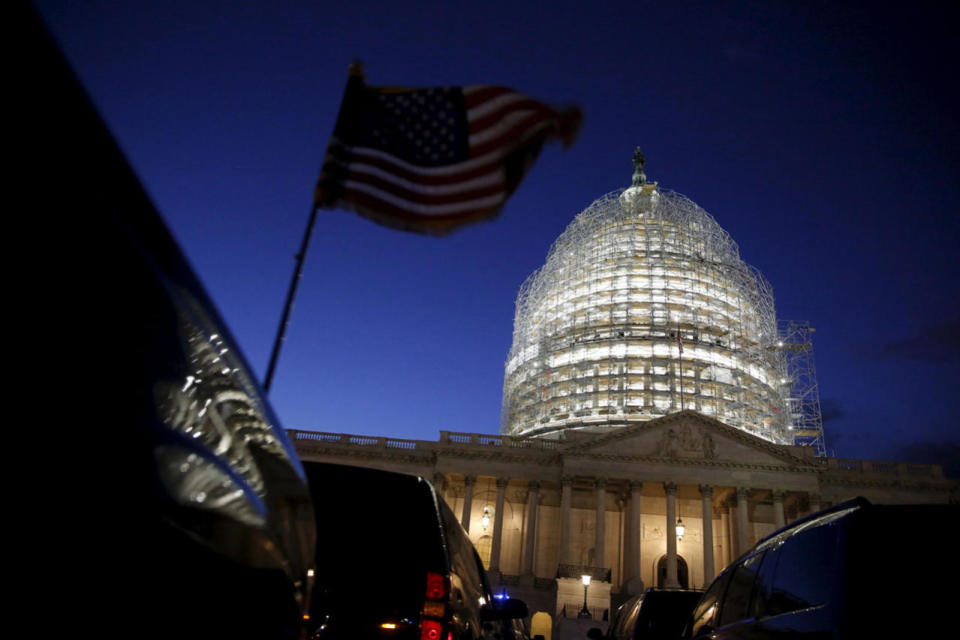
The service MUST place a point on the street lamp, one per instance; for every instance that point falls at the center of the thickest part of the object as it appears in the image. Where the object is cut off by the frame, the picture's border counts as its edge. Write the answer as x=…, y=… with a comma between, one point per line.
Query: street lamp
x=485, y=520
x=585, y=613
x=680, y=529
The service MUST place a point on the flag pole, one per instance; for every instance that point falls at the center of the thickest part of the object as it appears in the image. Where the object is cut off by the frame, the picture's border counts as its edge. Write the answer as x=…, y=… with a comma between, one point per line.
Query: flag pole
x=291, y=294
x=320, y=198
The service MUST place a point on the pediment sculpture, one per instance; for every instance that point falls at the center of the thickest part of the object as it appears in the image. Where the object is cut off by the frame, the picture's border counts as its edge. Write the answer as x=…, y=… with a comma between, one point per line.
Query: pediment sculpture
x=686, y=442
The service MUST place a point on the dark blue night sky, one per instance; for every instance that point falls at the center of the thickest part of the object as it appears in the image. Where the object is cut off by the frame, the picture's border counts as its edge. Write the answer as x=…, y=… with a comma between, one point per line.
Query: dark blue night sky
x=822, y=137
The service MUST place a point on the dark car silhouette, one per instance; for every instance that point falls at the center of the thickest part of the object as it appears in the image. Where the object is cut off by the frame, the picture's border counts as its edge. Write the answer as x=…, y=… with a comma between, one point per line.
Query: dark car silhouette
x=179, y=505
x=655, y=614
x=395, y=564
x=855, y=570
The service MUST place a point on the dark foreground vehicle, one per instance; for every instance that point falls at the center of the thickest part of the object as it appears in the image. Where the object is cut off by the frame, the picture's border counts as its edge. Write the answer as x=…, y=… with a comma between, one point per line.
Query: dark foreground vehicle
x=394, y=563
x=856, y=570
x=656, y=614
x=180, y=509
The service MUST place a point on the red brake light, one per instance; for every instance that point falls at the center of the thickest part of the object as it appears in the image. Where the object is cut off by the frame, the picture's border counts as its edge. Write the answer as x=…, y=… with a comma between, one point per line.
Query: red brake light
x=436, y=586
x=430, y=630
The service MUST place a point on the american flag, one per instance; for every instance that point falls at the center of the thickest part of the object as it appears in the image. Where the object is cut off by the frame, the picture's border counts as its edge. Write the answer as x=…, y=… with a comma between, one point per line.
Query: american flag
x=432, y=159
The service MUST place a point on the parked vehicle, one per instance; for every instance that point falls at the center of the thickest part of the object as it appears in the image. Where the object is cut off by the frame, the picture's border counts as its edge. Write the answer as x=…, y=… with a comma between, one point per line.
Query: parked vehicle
x=655, y=614
x=176, y=492
x=513, y=628
x=393, y=562
x=855, y=570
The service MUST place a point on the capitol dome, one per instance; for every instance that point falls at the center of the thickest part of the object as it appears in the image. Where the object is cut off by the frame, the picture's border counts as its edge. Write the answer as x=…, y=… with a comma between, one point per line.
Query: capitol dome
x=644, y=308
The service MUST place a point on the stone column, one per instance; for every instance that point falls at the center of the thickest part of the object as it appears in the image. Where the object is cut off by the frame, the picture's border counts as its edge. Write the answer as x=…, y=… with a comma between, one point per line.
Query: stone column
x=636, y=557
x=732, y=531
x=706, y=491
x=566, y=499
x=743, y=538
x=778, y=518
x=726, y=542
x=601, y=524
x=498, y=526
x=671, y=490
x=467, y=501
x=533, y=498
x=440, y=484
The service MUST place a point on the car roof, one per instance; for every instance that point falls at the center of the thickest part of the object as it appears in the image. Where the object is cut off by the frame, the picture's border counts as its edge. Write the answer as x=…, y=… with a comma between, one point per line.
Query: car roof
x=841, y=508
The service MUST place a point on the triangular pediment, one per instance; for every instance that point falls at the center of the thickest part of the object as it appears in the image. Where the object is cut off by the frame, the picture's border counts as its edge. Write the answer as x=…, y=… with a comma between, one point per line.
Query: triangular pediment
x=686, y=436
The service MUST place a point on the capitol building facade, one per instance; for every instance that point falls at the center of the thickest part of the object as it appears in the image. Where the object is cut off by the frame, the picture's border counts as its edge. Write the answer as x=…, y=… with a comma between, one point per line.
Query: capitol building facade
x=657, y=418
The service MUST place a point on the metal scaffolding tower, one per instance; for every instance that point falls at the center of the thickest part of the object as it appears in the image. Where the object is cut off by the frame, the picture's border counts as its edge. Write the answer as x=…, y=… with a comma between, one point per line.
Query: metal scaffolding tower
x=804, y=394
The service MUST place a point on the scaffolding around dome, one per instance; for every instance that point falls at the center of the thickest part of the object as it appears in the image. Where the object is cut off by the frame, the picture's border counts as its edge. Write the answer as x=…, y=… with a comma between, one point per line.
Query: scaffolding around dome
x=804, y=399
x=643, y=308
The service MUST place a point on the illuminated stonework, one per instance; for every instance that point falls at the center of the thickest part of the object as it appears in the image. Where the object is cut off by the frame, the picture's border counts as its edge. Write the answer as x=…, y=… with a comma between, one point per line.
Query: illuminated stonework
x=595, y=342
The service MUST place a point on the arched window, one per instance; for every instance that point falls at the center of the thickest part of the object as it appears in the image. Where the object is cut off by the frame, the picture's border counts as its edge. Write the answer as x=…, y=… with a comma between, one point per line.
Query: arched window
x=683, y=576
x=541, y=624
x=483, y=549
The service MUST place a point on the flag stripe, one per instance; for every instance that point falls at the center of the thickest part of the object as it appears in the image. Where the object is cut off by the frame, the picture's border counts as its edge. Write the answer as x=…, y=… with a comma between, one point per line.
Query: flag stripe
x=488, y=179
x=505, y=123
x=489, y=107
x=399, y=218
x=425, y=197
x=524, y=105
x=487, y=135
x=370, y=165
x=478, y=94
x=424, y=209
x=521, y=132
x=467, y=170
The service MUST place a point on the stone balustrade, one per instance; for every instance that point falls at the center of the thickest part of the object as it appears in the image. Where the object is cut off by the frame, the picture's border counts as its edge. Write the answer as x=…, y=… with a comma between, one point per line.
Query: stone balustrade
x=844, y=465
x=447, y=438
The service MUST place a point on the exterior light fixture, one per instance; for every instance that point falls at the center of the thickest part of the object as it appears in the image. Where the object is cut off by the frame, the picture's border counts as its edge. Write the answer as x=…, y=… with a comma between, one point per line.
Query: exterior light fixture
x=584, y=613
x=680, y=529
x=485, y=520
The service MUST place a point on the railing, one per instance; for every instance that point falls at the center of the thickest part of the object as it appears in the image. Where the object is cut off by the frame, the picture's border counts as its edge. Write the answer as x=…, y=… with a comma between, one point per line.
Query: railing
x=542, y=584
x=446, y=438
x=486, y=440
x=598, y=614
x=345, y=438
x=578, y=571
x=886, y=468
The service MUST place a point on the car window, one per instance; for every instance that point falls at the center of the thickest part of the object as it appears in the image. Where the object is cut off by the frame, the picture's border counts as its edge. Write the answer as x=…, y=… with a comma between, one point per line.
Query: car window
x=799, y=572
x=463, y=558
x=625, y=632
x=705, y=610
x=485, y=585
x=615, y=618
x=736, y=601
